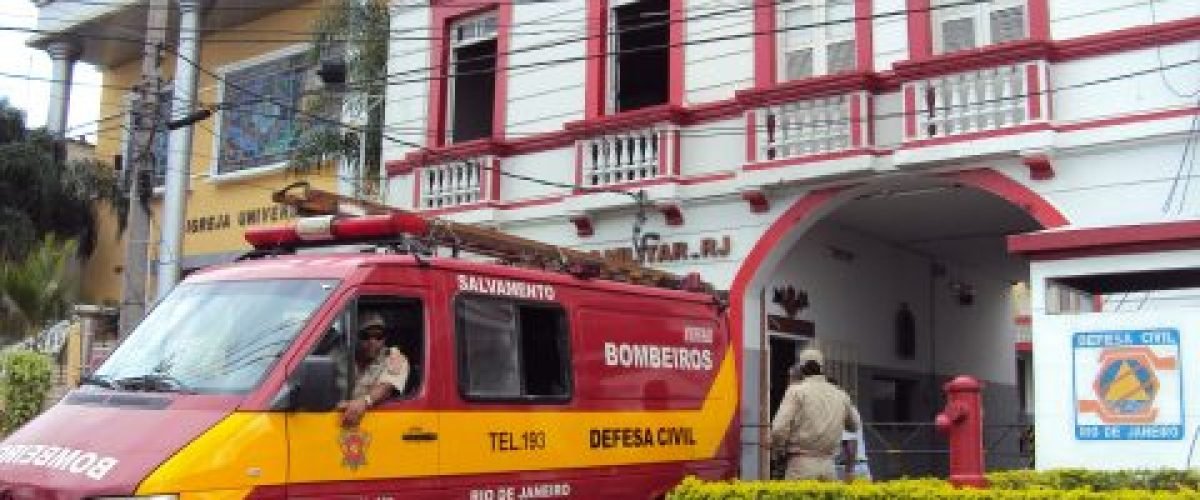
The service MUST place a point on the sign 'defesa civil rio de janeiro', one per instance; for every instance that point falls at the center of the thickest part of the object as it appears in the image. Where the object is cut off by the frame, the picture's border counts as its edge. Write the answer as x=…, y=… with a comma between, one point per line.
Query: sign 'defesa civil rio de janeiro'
x=1128, y=385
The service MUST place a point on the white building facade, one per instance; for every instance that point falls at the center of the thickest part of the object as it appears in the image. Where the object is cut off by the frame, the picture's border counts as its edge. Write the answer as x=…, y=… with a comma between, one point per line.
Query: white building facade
x=913, y=184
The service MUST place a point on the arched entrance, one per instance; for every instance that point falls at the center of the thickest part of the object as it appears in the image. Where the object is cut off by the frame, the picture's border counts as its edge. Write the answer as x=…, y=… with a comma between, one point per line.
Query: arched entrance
x=905, y=281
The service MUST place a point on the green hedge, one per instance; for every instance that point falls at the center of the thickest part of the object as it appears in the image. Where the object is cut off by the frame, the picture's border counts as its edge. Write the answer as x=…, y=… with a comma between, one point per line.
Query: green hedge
x=1063, y=483
x=25, y=378
x=1071, y=479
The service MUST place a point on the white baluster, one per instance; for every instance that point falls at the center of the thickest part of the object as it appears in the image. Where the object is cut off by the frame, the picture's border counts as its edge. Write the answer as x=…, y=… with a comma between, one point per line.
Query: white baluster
x=991, y=100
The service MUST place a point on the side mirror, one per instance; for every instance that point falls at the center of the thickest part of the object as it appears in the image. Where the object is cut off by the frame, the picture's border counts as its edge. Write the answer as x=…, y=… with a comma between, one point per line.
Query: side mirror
x=314, y=384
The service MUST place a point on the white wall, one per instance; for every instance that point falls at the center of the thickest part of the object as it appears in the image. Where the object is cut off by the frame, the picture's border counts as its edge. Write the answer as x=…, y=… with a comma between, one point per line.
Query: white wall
x=1073, y=18
x=715, y=69
x=408, y=92
x=1056, y=398
x=889, y=33
x=717, y=146
x=542, y=96
x=556, y=165
x=1119, y=84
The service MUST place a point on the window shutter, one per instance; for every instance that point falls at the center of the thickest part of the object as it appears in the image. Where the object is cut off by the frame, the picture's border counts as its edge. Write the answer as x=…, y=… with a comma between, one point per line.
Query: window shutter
x=958, y=34
x=1008, y=24
x=840, y=57
x=799, y=64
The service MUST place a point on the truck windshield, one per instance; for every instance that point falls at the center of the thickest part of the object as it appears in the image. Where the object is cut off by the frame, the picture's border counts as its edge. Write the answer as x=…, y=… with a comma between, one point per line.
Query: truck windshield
x=214, y=338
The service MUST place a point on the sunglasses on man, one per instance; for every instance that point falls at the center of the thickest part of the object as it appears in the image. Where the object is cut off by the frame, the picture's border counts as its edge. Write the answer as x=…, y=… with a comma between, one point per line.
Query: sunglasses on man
x=373, y=332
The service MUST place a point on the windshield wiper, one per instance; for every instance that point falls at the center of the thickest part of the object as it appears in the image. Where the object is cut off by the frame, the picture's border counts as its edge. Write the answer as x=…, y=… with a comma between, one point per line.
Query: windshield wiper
x=99, y=381
x=152, y=382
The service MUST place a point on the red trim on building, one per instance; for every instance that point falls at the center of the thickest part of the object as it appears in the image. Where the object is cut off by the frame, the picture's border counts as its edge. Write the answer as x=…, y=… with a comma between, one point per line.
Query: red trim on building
x=675, y=54
x=1024, y=346
x=1138, y=37
x=1039, y=19
x=808, y=88
x=578, y=165
x=1128, y=119
x=442, y=14
x=974, y=136
x=628, y=120
x=1097, y=303
x=804, y=160
x=1023, y=320
x=751, y=137
x=920, y=34
x=583, y=225
x=416, y=182
x=757, y=199
x=764, y=44
x=671, y=213
x=1112, y=240
x=989, y=56
x=1040, y=166
x=494, y=180
x=596, y=67
x=864, y=44
x=676, y=153
x=1033, y=84
x=1016, y=193
x=799, y=211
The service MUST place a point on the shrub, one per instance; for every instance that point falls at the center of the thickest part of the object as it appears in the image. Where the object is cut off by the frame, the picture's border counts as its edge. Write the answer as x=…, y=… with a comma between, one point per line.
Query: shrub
x=25, y=378
x=1096, y=480
x=1037, y=488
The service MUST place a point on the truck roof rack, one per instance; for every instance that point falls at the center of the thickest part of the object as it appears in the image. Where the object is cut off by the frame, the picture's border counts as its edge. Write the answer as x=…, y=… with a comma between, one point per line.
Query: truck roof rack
x=330, y=218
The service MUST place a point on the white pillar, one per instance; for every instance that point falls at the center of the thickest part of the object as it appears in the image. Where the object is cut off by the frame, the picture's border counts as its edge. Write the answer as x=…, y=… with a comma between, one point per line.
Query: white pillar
x=63, y=55
x=179, y=148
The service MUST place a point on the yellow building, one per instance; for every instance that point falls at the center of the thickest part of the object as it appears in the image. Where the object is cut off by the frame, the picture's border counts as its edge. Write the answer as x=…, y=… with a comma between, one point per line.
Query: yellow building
x=251, y=61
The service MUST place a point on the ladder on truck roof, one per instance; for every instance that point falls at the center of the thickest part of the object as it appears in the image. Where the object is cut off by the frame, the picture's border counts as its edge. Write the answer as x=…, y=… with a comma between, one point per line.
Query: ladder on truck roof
x=457, y=236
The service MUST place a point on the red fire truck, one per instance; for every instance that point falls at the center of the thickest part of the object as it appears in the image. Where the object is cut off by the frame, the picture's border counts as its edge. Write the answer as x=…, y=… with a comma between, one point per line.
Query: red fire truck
x=555, y=374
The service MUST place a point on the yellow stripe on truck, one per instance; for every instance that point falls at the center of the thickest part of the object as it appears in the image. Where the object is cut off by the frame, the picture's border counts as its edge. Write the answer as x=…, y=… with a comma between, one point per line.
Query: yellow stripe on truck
x=242, y=451
x=468, y=442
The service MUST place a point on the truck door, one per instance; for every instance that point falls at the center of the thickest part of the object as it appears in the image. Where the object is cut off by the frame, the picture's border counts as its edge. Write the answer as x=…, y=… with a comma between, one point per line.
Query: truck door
x=395, y=447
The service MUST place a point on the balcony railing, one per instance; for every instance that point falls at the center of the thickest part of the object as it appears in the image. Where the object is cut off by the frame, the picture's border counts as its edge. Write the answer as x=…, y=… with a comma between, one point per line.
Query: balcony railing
x=808, y=127
x=975, y=101
x=624, y=157
x=456, y=183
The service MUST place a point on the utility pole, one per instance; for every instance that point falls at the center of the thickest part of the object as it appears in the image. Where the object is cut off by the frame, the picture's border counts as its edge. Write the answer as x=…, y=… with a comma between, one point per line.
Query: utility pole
x=179, y=161
x=141, y=167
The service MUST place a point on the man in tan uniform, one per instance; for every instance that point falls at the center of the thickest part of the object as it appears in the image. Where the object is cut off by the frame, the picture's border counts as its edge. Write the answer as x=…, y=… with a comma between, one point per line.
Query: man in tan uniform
x=809, y=424
x=380, y=373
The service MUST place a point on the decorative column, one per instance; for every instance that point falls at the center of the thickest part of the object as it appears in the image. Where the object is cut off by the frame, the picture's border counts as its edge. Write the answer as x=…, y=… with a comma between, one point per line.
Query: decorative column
x=63, y=55
x=179, y=148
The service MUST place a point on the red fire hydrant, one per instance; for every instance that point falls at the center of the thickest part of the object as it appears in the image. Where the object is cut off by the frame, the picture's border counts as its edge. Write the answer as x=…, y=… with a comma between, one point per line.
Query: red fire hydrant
x=962, y=423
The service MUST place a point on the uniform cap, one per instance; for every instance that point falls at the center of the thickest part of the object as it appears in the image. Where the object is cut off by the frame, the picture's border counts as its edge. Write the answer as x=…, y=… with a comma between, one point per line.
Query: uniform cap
x=810, y=355
x=368, y=320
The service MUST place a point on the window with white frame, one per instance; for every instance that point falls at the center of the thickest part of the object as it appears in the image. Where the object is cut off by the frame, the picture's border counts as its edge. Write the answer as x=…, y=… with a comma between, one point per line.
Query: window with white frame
x=261, y=115
x=816, y=37
x=960, y=27
x=471, y=85
x=639, y=61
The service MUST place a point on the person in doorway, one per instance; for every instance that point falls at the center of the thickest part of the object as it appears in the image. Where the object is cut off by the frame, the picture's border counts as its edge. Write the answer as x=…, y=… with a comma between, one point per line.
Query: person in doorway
x=810, y=422
x=381, y=372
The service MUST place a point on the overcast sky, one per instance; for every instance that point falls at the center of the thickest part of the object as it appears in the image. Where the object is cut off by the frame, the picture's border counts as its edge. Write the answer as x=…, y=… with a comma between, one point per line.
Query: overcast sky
x=31, y=95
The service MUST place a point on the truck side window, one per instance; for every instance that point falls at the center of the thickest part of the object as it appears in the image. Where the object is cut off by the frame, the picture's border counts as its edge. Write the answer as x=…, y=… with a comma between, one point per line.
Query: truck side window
x=403, y=327
x=509, y=350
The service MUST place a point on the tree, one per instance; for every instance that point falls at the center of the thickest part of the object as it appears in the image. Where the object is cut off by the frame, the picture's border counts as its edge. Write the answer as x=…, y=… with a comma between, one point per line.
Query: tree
x=43, y=194
x=355, y=32
x=36, y=290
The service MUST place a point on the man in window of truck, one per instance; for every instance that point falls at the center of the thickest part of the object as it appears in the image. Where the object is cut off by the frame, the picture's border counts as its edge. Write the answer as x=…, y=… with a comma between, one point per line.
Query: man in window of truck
x=381, y=371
